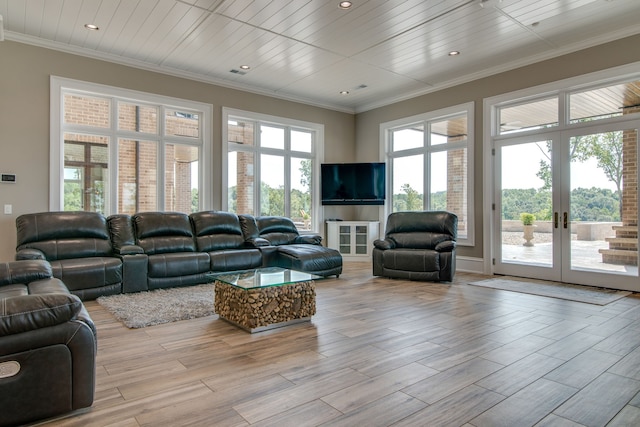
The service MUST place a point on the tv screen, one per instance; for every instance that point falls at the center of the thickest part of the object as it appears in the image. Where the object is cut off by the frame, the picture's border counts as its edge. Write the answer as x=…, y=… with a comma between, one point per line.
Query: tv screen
x=353, y=183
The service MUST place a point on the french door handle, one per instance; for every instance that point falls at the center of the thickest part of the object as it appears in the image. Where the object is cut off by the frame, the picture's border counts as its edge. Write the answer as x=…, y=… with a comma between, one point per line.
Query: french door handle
x=565, y=220
x=555, y=219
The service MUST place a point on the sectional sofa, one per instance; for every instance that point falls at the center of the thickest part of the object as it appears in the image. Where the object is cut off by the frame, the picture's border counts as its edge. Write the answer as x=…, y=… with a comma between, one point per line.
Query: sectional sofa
x=96, y=255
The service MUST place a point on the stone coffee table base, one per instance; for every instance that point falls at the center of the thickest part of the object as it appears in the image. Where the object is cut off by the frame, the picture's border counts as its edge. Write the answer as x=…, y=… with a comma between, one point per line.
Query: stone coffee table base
x=260, y=309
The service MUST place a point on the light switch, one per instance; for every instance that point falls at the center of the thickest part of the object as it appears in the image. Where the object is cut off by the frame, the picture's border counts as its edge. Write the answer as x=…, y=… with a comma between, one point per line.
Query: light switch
x=8, y=209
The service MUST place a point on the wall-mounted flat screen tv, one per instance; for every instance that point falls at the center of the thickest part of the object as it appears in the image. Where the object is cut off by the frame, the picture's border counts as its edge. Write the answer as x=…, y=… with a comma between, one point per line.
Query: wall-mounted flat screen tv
x=353, y=183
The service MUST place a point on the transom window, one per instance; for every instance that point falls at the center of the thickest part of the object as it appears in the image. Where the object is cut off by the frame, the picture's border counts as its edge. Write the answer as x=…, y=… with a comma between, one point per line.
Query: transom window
x=272, y=167
x=430, y=158
x=119, y=151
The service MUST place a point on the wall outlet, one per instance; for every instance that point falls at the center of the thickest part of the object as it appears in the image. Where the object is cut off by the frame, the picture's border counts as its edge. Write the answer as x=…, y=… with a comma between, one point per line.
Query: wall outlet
x=8, y=209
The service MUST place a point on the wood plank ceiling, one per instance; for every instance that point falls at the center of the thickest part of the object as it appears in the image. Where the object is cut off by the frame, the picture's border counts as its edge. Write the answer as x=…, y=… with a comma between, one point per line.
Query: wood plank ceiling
x=311, y=50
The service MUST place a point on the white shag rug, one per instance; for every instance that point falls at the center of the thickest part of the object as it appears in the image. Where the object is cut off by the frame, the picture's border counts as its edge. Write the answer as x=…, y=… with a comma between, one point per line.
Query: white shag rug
x=586, y=294
x=141, y=309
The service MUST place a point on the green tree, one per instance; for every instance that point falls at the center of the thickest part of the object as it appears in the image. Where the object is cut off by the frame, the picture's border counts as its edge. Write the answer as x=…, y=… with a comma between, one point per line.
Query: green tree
x=194, y=200
x=411, y=200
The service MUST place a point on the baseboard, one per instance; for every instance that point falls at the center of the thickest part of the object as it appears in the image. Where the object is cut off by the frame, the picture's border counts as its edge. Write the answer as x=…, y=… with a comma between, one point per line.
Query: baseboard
x=469, y=264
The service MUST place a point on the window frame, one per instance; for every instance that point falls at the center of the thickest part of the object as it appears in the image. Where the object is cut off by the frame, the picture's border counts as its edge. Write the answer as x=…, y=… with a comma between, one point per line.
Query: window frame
x=317, y=156
x=60, y=86
x=426, y=119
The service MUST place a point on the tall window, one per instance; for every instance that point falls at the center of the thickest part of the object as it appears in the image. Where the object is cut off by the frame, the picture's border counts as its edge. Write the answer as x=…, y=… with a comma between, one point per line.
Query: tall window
x=272, y=167
x=117, y=151
x=430, y=158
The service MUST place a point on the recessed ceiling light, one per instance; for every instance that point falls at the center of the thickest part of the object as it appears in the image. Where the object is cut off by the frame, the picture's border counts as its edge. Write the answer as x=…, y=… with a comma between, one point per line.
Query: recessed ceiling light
x=344, y=92
x=454, y=53
x=92, y=27
x=245, y=67
x=344, y=5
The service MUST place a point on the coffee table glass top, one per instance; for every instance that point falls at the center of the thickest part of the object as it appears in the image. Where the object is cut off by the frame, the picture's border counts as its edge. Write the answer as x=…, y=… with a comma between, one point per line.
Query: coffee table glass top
x=263, y=277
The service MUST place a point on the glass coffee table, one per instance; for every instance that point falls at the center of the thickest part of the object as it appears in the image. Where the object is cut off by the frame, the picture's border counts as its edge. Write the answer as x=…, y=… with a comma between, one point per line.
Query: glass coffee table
x=264, y=298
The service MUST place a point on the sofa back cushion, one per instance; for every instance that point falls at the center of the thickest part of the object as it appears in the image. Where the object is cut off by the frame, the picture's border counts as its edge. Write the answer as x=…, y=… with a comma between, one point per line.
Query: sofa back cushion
x=277, y=230
x=216, y=231
x=63, y=235
x=421, y=229
x=163, y=232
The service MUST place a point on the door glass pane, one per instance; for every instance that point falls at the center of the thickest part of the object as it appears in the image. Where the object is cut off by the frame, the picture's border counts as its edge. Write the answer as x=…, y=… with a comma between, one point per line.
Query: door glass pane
x=301, y=179
x=272, y=185
x=603, y=202
x=526, y=217
x=240, y=179
x=533, y=115
x=181, y=178
x=86, y=162
x=408, y=183
x=137, y=176
x=137, y=118
x=410, y=137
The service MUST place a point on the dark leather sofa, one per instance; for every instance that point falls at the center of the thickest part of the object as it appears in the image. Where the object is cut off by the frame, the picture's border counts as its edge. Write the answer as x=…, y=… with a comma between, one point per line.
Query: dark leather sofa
x=418, y=245
x=47, y=345
x=150, y=250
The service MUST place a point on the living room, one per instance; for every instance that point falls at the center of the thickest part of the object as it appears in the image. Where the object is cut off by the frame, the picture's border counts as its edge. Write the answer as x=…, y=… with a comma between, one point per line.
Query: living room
x=349, y=136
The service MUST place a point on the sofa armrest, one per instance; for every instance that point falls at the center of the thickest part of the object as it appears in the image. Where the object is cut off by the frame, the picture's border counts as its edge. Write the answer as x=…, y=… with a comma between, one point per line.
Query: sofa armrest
x=24, y=271
x=446, y=246
x=30, y=253
x=384, y=244
x=28, y=312
x=311, y=239
x=128, y=250
x=257, y=242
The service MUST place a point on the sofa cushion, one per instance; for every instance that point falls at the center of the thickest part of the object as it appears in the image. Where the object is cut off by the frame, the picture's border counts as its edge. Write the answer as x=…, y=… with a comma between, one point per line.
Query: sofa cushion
x=418, y=239
x=85, y=273
x=24, y=271
x=235, y=259
x=277, y=230
x=163, y=232
x=62, y=235
x=217, y=231
x=310, y=258
x=422, y=260
x=178, y=264
x=29, y=312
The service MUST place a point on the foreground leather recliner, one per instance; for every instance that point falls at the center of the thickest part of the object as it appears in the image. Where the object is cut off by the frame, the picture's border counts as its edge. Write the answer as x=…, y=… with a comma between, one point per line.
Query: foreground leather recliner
x=418, y=245
x=47, y=345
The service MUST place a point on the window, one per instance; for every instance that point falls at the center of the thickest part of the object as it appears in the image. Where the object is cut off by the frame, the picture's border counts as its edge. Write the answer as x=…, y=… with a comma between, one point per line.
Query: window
x=119, y=151
x=430, y=161
x=272, y=167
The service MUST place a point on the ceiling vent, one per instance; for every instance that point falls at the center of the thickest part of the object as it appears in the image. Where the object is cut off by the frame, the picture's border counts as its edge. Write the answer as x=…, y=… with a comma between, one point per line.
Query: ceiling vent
x=234, y=71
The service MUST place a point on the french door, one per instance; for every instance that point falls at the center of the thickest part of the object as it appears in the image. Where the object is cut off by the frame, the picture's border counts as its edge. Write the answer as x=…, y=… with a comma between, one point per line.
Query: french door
x=581, y=187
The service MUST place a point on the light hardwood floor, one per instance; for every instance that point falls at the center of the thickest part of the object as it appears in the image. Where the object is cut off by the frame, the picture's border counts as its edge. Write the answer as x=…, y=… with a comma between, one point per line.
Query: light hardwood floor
x=379, y=352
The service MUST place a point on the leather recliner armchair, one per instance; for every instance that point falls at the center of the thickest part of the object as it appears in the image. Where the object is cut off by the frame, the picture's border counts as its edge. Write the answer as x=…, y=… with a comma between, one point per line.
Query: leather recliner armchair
x=47, y=345
x=418, y=245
